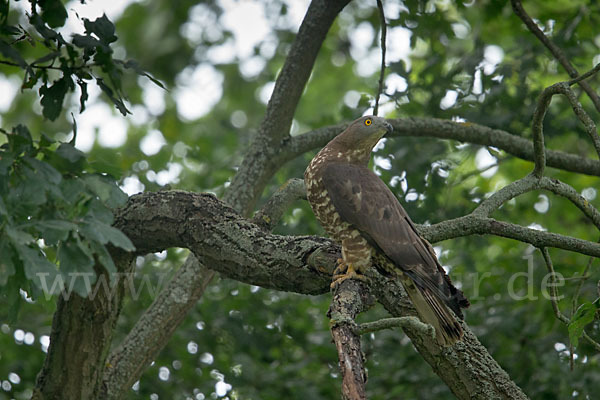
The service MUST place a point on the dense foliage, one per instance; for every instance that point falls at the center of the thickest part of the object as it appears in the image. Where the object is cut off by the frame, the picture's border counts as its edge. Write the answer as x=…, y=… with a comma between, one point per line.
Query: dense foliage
x=467, y=61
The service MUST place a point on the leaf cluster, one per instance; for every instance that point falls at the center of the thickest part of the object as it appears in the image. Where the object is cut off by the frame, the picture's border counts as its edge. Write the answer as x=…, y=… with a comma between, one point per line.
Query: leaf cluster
x=60, y=64
x=55, y=218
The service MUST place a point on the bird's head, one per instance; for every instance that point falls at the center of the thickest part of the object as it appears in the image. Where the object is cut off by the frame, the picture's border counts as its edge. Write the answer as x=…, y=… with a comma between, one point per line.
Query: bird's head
x=364, y=133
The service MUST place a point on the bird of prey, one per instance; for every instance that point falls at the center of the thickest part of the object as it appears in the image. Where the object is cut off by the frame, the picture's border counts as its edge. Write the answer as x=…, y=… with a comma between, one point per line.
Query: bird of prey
x=360, y=212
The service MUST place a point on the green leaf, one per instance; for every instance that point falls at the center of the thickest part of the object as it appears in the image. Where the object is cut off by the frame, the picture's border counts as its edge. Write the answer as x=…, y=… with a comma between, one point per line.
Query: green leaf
x=72, y=189
x=84, y=94
x=7, y=266
x=47, y=171
x=584, y=315
x=18, y=236
x=54, y=231
x=101, y=27
x=7, y=51
x=132, y=64
x=3, y=209
x=98, y=211
x=104, y=257
x=86, y=42
x=46, y=141
x=118, y=102
x=3, y=11
x=76, y=266
x=47, y=33
x=37, y=269
x=106, y=189
x=104, y=233
x=53, y=12
x=50, y=56
x=70, y=153
x=53, y=96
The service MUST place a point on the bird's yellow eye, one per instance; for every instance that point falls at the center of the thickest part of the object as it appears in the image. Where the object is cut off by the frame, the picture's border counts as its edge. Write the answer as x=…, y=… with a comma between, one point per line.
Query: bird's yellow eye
x=368, y=121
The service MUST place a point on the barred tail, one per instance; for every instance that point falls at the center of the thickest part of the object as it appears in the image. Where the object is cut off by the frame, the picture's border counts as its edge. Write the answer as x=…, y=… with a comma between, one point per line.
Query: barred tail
x=434, y=312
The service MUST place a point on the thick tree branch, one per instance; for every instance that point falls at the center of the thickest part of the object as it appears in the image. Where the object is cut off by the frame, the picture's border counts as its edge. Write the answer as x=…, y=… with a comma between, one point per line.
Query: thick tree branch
x=463, y=132
x=81, y=336
x=350, y=298
x=228, y=243
x=555, y=50
x=261, y=159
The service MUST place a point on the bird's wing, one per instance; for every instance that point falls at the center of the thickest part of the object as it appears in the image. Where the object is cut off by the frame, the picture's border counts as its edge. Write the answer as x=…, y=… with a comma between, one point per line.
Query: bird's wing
x=364, y=201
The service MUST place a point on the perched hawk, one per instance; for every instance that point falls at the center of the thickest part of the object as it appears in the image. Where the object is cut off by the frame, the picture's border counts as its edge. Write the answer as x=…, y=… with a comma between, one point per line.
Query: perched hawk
x=360, y=212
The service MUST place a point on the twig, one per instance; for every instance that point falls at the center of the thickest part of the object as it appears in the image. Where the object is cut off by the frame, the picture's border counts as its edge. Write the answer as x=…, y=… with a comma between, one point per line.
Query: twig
x=383, y=49
x=582, y=115
x=474, y=224
x=397, y=322
x=568, y=192
x=552, y=286
x=585, y=75
x=554, y=296
x=584, y=277
x=555, y=50
x=349, y=299
x=510, y=191
x=270, y=214
x=33, y=65
x=537, y=127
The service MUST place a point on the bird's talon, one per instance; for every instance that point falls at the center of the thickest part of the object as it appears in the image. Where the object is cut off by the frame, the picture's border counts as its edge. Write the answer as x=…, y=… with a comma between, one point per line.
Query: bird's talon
x=349, y=273
x=340, y=269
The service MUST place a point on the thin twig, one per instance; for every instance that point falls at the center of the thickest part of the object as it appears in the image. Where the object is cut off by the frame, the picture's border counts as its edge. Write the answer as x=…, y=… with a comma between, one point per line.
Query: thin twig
x=537, y=127
x=555, y=50
x=538, y=122
x=568, y=192
x=383, y=49
x=584, y=277
x=552, y=287
x=397, y=322
x=75, y=67
x=585, y=75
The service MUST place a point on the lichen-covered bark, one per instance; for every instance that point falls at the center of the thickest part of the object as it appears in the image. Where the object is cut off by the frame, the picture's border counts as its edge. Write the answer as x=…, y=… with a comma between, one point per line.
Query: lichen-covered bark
x=81, y=335
x=350, y=298
x=226, y=242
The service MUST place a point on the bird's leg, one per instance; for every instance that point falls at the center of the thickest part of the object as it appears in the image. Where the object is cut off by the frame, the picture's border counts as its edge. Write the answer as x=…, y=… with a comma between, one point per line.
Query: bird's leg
x=345, y=271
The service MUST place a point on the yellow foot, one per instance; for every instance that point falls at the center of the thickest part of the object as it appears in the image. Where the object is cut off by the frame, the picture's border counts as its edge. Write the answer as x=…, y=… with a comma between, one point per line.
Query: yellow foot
x=345, y=271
